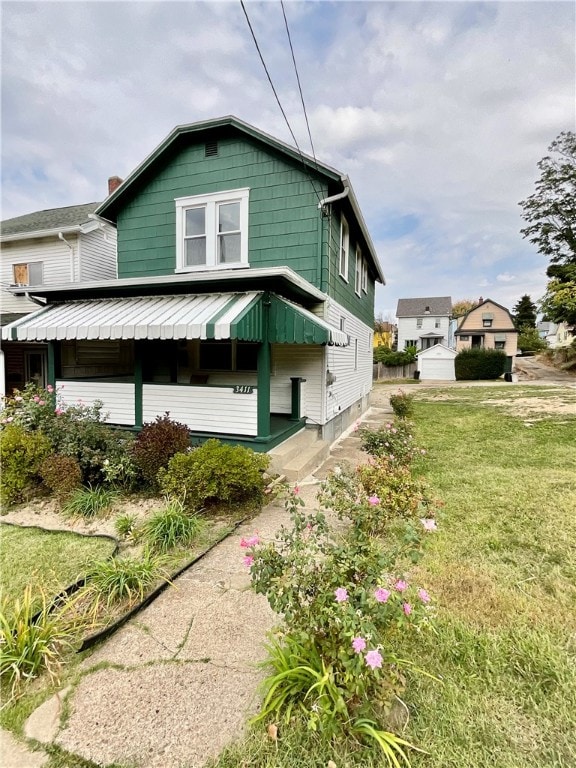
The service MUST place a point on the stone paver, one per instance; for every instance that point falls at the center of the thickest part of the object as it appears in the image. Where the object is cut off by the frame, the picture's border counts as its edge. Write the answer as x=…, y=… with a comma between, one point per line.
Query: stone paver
x=15, y=755
x=44, y=722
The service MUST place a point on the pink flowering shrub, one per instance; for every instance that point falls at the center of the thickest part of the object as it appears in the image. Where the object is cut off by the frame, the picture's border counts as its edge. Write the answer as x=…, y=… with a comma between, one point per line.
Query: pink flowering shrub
x=343, y=604
x=393, y=442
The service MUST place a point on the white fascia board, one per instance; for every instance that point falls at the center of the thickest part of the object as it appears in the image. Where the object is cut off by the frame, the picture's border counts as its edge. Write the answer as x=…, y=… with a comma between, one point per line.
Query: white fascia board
x=40, y=233
x=364, y=228
x=215, y=276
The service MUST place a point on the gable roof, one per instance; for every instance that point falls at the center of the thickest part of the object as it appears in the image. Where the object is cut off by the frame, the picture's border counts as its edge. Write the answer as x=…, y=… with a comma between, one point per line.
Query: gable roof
x=437, y=305
x=200, y=131
x=48, y=220
x=466, y=331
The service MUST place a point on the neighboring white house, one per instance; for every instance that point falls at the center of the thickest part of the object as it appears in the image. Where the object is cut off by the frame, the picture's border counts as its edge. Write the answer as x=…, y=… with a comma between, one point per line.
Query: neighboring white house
x=424, y=322
x=562, y=335
x=50, y=247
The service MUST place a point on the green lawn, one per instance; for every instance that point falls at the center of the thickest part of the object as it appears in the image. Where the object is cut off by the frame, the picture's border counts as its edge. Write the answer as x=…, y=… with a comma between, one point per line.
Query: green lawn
x=51, y=559
x=502, y=569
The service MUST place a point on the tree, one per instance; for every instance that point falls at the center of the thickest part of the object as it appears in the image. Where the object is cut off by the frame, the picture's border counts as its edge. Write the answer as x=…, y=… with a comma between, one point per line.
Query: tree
x=525, y=313
x=551, y=217
x=462, y=306
x=530, y=341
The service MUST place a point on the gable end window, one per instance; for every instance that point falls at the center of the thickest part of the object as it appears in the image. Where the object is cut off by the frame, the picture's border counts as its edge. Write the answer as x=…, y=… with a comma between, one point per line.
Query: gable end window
x=487, y=323
x=212, y=231
x=28, y=274
x=344, y=248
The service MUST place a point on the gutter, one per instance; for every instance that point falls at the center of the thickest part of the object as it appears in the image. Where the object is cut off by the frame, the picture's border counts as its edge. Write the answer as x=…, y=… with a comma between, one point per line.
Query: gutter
x=40, y=233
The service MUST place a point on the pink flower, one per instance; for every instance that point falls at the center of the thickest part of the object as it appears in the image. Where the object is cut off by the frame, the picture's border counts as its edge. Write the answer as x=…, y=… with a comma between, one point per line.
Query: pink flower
x=407, y=608
x=58, y=411
x=41, y=402
x=251, y=541
x=374, y=500
x=373, y=659
x=296, y=490
x=36, y=398
x=341, y=595
x=429, y=524
x=248, y=561
x=18, y=399
x=50, y=389
x=382, y=595
x=358, y=644
x=400, y=585
x=423, y=595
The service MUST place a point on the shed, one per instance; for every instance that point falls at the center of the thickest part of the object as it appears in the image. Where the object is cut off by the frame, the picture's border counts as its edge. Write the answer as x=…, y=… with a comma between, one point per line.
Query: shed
x=436, y=363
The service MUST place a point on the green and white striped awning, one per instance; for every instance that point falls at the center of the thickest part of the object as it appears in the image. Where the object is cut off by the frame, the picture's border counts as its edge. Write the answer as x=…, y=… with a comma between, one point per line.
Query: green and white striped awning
x=203, y=316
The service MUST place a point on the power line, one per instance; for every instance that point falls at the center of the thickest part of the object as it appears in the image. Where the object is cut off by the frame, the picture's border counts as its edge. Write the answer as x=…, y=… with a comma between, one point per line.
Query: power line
x=298, y=81
x=278, y=99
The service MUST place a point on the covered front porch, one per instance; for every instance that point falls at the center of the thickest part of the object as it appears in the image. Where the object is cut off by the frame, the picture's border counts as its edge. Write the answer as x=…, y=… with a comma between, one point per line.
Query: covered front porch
x=206, y=359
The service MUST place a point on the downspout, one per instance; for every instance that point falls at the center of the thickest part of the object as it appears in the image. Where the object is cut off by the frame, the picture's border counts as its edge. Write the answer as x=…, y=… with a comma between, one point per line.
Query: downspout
x=61, y=237
x=327, y=200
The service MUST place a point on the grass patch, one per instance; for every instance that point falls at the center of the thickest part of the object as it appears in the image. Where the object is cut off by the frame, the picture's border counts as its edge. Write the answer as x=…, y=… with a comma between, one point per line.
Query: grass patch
x=54, y=559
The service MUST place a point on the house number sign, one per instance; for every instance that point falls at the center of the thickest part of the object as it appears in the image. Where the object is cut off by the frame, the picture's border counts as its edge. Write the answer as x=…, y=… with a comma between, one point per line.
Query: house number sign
x=243, y=389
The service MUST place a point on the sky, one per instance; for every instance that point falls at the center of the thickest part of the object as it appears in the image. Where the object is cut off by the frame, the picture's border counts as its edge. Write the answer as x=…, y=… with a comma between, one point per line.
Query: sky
x=437, y=111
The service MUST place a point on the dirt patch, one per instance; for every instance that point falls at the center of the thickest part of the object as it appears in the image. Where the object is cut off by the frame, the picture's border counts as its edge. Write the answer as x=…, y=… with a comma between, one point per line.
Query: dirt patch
x=531, y=406
x=45, y=513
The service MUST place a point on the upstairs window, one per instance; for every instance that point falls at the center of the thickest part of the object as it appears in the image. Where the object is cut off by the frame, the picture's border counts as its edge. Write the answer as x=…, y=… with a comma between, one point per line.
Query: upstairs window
x=364, y=275
x=358, y=272
x=419, y=322
x=344, y=248
x=486, y=323
x=28, y=274
x=437, y=323
x=212, y=231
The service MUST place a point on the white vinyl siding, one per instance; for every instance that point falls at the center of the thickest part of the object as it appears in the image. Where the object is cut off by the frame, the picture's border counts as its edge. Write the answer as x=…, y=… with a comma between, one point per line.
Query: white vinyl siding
x=351, y=384
x=302, y=360
x=98, y=255
x=203, y=409
x=117, y=397
x=57, y=267
x=412, y=328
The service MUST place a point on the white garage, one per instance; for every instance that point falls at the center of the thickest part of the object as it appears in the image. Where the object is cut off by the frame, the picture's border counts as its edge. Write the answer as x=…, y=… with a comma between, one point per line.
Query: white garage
x=436, y=363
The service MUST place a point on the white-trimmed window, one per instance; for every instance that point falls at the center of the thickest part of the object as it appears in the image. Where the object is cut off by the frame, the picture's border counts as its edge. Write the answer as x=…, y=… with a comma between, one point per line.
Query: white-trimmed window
x=358, y=272
x=28, y=274
x=212, y=231
x=364, y=275
x=344, y=248
x=419, y=321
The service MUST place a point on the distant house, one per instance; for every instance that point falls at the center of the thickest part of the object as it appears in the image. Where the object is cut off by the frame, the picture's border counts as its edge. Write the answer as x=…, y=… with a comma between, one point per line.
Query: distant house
x=384, y=334
x=45, y=248
x=424, y=322
x=562, y=335
x=244, y=303
x=488, y=325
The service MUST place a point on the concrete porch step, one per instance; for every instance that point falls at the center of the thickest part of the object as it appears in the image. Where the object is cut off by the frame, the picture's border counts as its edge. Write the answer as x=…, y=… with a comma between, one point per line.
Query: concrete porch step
x=299, y=455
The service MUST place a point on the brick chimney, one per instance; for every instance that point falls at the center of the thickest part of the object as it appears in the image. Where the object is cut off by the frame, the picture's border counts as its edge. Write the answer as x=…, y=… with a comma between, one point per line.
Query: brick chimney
x=113, y=183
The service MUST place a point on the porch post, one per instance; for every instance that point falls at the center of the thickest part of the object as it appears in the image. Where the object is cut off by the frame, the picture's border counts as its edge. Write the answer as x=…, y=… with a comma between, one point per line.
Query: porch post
x=138, y=406
x=263, y=374
x=51, y=360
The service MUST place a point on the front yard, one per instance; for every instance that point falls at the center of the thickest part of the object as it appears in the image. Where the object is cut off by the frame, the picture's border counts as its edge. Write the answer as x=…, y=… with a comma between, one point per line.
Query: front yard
x=502, y=571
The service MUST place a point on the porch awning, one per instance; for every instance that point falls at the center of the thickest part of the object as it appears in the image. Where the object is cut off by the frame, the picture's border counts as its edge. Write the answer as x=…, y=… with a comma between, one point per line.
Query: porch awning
x=202, y=316
x=432, y=336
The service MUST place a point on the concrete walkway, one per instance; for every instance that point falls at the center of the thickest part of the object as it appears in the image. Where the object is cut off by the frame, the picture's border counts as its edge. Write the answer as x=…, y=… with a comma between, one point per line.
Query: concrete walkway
x=178, y=682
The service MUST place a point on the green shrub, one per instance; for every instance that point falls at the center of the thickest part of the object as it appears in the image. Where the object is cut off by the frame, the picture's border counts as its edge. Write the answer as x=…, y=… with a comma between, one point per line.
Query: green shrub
x=529, y=340
x=21, y=456
x=171, y=527
x=479, y=363
x=214, y=472
x=402, y=404
x=393, y=359
x=89, y=502
x=31, y=639
x=157, y=442
x=62, y=475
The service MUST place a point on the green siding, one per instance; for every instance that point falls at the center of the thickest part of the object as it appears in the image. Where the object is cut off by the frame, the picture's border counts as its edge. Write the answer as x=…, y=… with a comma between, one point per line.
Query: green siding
x=283, y=209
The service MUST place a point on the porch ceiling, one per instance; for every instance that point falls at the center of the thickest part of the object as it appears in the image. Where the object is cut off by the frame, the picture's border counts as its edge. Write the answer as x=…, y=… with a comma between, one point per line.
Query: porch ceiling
x=200, y=316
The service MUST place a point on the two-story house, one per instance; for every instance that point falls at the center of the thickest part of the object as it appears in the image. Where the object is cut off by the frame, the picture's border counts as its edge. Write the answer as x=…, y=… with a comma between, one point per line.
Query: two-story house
x=49, y=247
x=424, y=322
x=488, y=325
x=244, y=302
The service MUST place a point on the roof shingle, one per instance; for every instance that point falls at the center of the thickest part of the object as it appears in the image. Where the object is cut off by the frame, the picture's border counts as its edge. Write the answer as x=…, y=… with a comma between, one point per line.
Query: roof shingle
x=52, y=218
x=437, y=305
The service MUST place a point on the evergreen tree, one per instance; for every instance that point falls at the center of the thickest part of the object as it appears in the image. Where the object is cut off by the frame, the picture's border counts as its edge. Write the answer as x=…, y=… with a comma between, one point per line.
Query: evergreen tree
x=524, y=313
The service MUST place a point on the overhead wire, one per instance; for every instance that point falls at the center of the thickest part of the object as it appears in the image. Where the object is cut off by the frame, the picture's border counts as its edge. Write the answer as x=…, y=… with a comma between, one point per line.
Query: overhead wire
x=278, y=100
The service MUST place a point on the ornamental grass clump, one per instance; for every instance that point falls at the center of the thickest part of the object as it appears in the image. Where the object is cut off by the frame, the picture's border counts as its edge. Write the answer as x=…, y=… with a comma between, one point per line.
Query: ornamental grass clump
x=172, y=527
x=89, y=502
x=345, y=607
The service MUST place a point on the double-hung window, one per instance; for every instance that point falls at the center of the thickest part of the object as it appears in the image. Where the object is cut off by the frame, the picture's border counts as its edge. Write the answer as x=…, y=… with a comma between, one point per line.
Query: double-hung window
x=344, y=248
x=212, y=231
x=364, y=275
x=28, y=274
x=358, y=272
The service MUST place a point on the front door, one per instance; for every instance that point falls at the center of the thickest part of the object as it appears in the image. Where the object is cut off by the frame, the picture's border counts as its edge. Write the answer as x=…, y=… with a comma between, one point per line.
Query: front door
x=35, y=366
